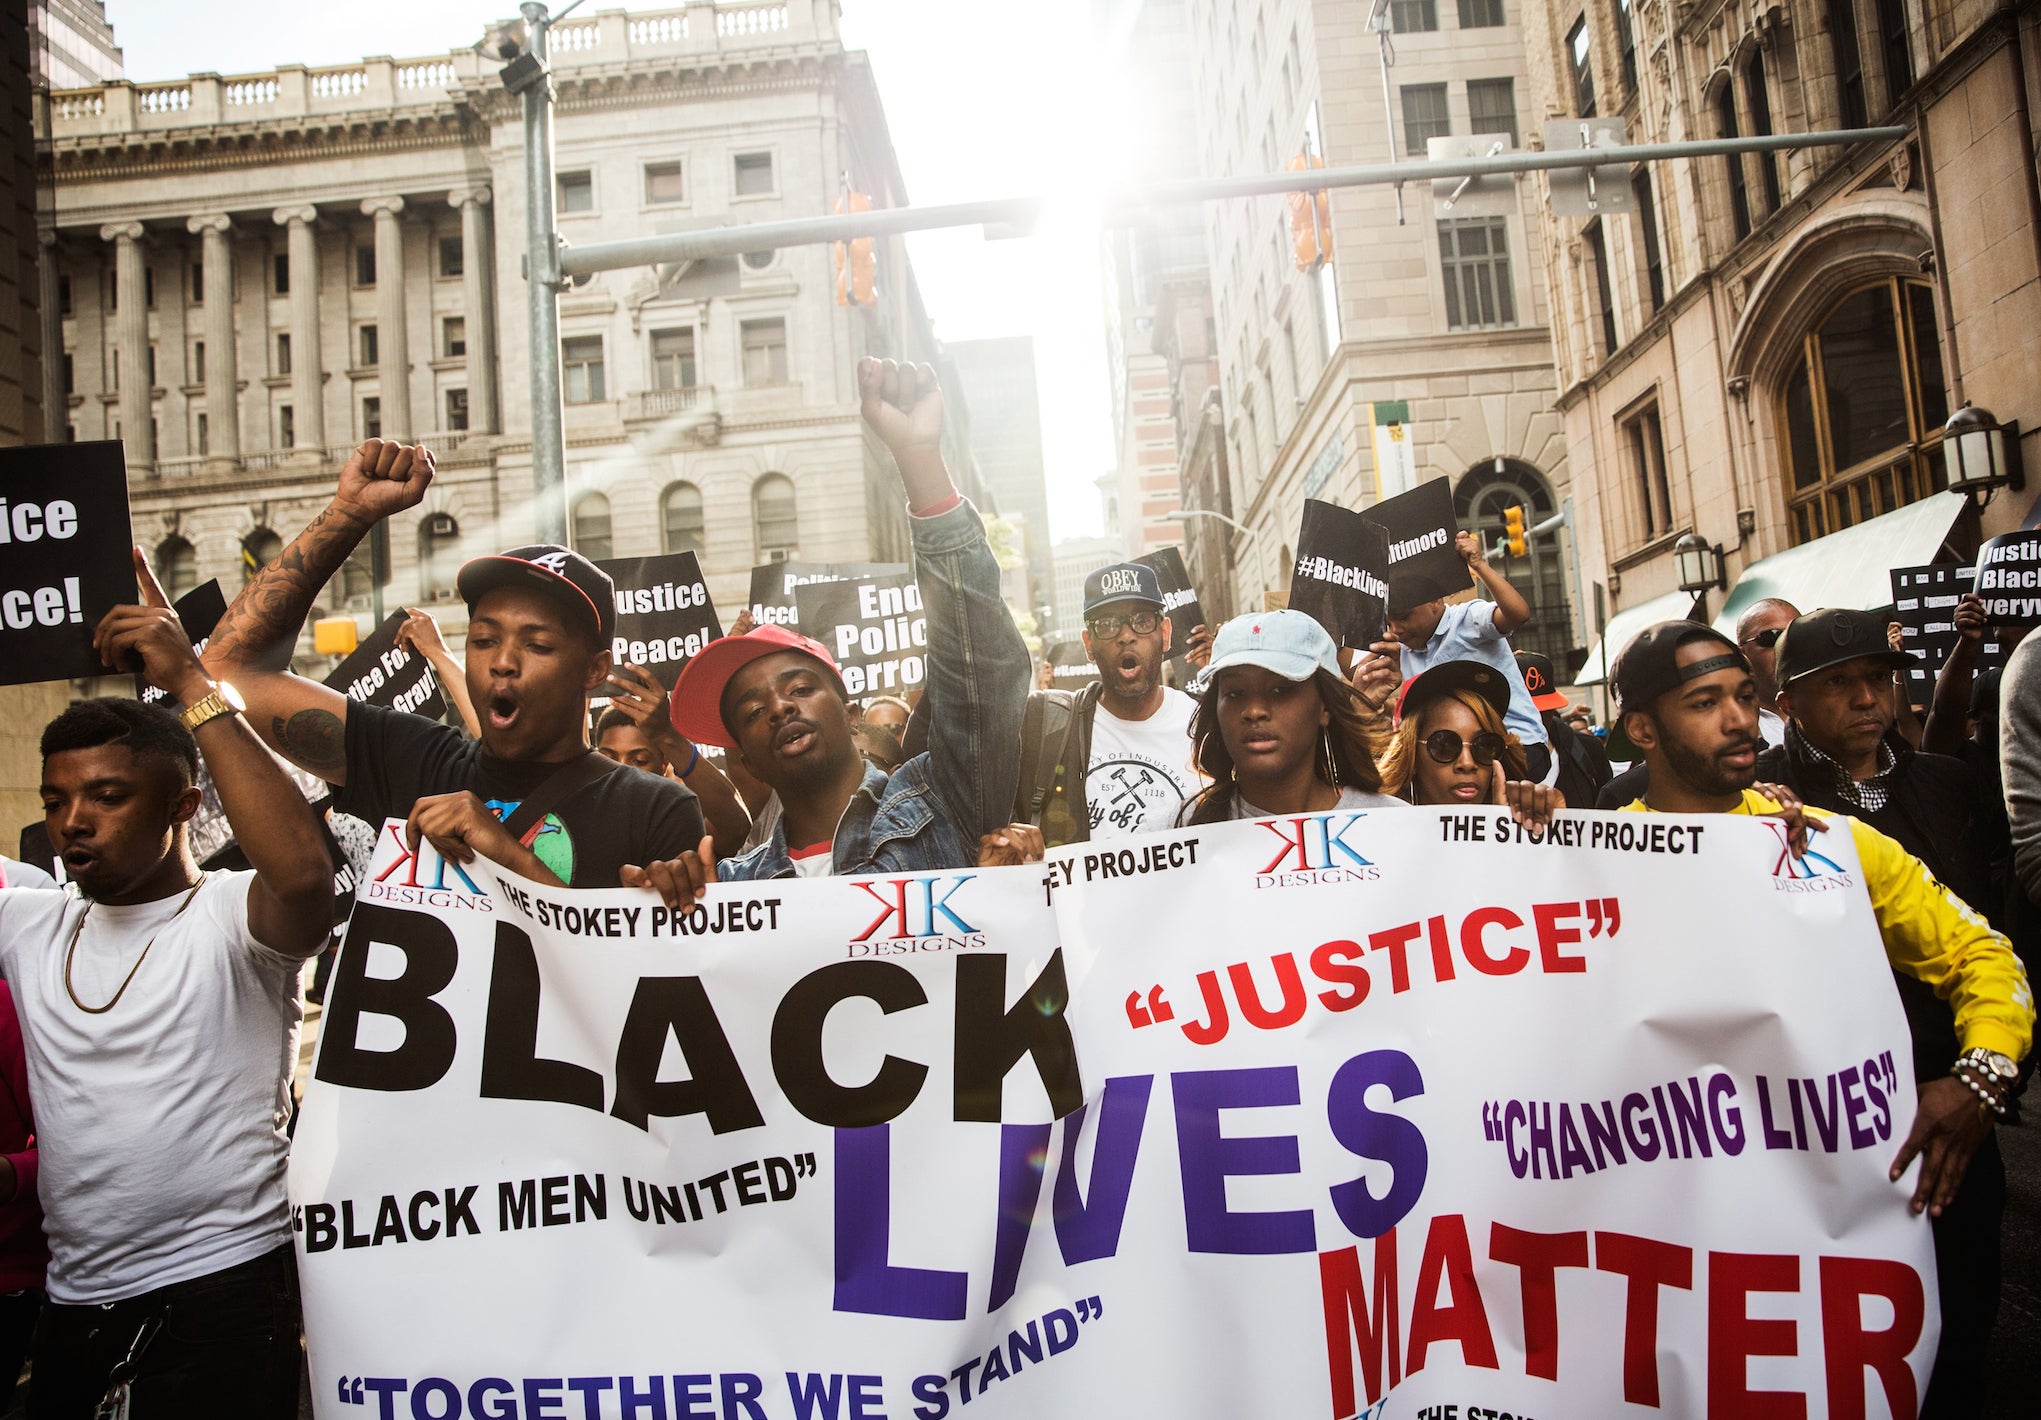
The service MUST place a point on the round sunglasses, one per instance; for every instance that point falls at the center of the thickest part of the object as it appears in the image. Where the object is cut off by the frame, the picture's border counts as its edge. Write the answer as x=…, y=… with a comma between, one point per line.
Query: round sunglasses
x=1444, y=747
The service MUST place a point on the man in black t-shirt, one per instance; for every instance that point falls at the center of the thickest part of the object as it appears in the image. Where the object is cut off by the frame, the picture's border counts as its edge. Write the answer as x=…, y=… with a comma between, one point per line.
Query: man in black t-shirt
x=539, y=626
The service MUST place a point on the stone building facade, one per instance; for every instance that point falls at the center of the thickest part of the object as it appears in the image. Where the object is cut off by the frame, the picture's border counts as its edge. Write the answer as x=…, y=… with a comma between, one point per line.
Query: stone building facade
x=1765, y=355
x=252, y=273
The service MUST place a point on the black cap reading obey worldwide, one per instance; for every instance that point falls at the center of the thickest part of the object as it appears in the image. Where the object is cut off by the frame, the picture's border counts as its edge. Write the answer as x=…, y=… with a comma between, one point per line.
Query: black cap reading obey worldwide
x=1649, y=665
x=1123, y=582
x=561, y=573
x=1831, y=636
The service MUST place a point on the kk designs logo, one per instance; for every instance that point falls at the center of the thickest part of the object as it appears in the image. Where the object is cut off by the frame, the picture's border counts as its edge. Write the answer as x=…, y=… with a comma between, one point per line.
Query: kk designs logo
x=915, y=915
x=1807, y=872
x=423, y=878
x=1315, y=850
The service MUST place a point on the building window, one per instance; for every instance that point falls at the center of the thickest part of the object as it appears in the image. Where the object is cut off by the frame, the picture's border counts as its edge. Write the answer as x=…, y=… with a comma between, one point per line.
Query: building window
x=198, y=283
x=1644, y=446
x=1758, y=96
x=1626, y=44
x=1647, y=232
x=63, y=295
x=283, y=353
x=673, y=359
x=177, y=565
x=577, y=192
x=198, y=364
x=1849, y=63
x=286, y=428
x=1478, y=503
x=1732, y=163
x=113, y=363
x=592, y=529
x=453, y=336
x=365, y=266
x=258, y=550
x=204, y=439
x=69, y=387
x=1474, y=258
x=457, y=409
x=581, y=364
x=452, y=257
x=773, y=515
x=1492, y=107
x=1481, y=14
x=369, y=345
x=754, y=174
x=1577, y=46
x=760, y=260
x=372, y=417
x=280, y=272
x=1413, y=16
x=439, y=556
x=1898, y=58
x=70, y=433
x=1864, y=408
x=765, y=351
x=681, y=522
x=1424, y=116
x=149, y=287
x=1605, y=299
x=663, y=184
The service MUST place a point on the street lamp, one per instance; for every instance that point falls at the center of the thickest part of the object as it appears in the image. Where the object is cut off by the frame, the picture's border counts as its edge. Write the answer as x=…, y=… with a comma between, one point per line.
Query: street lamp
x=1184, y=515
x=1699, y=564
x=1981, y=454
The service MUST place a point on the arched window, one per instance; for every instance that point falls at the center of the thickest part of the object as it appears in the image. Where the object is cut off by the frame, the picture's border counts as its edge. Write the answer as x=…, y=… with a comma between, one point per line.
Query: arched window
x=439, y=556
x=1483, y=493
x=681, y=520
x=773, y=515
x=176, y=566
x=1863, y=409
x=593, y=538
x=258, y=550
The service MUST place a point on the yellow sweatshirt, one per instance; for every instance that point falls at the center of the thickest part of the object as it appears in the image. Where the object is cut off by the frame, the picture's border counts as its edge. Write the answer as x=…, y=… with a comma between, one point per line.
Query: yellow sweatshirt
x=1933, y=936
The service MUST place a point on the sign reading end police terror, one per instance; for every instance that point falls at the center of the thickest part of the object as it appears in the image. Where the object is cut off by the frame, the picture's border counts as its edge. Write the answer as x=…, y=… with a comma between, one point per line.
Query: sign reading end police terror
x=772, y=586
x=1342, y=559
x=2009, y=579
x=380, y=672
x=66, y=557
x=664, y=615
x=875, y=628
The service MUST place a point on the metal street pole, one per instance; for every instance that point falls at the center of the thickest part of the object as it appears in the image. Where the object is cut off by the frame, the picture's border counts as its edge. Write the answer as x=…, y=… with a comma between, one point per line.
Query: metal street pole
x=1184, y=515
x=543, y=283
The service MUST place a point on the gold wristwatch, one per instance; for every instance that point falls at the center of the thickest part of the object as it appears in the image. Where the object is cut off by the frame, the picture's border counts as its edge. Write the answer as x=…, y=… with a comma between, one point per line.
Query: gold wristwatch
x=224, y=700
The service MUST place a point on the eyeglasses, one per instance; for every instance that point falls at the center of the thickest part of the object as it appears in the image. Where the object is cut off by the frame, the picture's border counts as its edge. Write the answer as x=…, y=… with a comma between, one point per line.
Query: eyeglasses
x=1444, y=747
x=1104, y=628
x=1766, y=639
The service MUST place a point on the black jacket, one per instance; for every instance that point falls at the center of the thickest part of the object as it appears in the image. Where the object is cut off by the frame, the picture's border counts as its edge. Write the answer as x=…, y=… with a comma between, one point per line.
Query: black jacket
x=1583, y=763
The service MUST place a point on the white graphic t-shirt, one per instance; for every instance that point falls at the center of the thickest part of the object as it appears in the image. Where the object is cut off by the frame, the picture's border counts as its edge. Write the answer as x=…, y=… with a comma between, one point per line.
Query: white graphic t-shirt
x=1141, y=770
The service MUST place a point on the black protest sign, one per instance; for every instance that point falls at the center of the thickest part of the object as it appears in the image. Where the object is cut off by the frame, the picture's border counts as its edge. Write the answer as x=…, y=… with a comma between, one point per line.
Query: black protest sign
x=1424, y=565
x=66, y=557
x=198, y=612
x=2009, y=580
x=1070, y=666
x=1342, y=559
x=1179, y=597
x=772, y=586
x=1924, y=603
x=664, y=615
x=380, y=672
x=875, y=628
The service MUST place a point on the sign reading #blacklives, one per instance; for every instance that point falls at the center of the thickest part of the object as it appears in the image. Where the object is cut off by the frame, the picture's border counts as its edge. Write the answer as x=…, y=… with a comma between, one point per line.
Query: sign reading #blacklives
x=66, y=557
x=875, y=628
x=1924, y=602
x=2009, y=579
x=380, y=672
x=772, y=586
x=1338, y=579
x=198, y=612
x=664, y=615
x=1423, y=564
x=1070, y=668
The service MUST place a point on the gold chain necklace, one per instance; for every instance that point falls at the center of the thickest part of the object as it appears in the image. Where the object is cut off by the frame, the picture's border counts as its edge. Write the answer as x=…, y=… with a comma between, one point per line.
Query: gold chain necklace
x=71, y=951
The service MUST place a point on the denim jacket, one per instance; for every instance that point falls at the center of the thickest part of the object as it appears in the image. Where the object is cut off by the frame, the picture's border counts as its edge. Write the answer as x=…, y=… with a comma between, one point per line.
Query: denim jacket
x=932, y=810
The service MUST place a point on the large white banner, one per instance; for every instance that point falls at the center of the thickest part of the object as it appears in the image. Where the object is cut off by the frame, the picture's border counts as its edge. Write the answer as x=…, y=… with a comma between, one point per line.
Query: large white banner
x=1399, y=1113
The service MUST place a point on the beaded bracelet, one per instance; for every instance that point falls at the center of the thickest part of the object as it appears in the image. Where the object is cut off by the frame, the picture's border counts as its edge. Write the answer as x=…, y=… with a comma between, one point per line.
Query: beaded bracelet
x=1990, y=1098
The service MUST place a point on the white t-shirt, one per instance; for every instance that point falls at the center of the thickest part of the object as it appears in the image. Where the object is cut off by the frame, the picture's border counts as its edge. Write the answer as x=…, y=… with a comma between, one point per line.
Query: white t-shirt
x=14, y=873
x=161, y=1123
x=1141, y=771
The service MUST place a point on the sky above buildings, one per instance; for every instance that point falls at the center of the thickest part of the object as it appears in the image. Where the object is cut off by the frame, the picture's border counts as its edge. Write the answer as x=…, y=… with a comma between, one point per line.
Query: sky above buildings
x=985, y=99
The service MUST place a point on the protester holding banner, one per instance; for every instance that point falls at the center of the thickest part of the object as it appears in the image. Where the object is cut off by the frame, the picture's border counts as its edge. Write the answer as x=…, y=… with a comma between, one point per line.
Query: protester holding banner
x=776, y=699
x=160, y=1010
x=530, y=794
x=1433, y=632
x=1947, y=728
x=1689, y=703
x=419, y=633
x=637, y=729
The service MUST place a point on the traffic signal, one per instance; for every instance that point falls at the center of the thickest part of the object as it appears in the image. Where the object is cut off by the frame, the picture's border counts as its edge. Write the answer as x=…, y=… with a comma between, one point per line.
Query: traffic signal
x=1310, y=218
x=856, y=266
x=1513, y=529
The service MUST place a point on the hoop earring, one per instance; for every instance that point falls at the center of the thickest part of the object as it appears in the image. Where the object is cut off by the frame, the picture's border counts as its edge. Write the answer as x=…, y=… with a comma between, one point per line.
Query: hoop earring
x=1331, y=764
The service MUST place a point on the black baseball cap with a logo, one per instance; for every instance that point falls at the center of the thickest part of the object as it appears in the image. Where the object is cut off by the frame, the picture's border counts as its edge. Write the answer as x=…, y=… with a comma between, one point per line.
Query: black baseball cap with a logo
x=1649, y=666
x=1123, y=582
x=1831, y=636
x=563, y=574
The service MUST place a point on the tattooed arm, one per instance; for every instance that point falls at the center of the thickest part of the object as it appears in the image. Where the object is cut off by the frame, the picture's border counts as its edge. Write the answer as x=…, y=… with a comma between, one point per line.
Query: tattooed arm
x=251, y=646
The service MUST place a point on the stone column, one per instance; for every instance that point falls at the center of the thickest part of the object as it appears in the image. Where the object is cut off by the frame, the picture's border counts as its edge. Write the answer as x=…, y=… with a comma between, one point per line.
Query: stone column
x=478, y=295
x=308, y=375
x=223, y=374
x=393, y=362
x=56, y=405
x=131, y=335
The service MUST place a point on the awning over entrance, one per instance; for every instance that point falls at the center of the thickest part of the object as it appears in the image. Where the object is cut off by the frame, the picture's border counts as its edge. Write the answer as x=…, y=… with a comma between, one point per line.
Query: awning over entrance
x=1847, y=568
x=1673, y=606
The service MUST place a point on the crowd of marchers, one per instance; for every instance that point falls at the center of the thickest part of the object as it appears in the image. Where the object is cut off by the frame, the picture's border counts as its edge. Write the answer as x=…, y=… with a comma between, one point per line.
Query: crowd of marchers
x=151, y=1031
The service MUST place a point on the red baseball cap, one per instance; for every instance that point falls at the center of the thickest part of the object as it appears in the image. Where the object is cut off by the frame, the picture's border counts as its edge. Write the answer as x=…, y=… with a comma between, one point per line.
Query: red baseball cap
x=696, y=705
